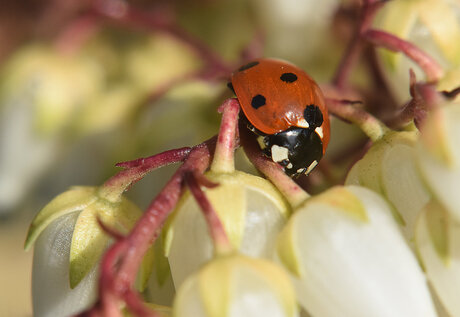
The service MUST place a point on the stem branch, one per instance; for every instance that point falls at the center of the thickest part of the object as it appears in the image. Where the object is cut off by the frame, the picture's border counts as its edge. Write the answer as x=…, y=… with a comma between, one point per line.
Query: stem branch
x=114, y=187
x=223, y=161
x=369, y=124
x=219, y=236
x=432, y=69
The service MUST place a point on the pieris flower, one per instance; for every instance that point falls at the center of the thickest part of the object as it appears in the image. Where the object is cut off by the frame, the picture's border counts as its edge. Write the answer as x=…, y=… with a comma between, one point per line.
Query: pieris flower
x=390, y=169
x=252, y=212
x=236, y=286
x=347, y=257
x=68, y=245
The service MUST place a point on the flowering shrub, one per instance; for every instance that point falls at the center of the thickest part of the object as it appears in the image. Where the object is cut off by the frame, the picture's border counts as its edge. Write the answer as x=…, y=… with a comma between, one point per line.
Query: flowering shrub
x=219, y=241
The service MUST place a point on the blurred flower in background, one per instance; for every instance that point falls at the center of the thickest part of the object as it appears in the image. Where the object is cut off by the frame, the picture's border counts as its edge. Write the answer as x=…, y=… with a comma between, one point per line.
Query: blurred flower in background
x=86, y=84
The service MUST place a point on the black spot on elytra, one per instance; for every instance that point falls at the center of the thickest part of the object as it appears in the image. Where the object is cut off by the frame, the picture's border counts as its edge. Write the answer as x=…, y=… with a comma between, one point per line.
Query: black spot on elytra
x=288, y=77
x=230, y=86
x=314, y=116
x=258, y=101
x=248, y=65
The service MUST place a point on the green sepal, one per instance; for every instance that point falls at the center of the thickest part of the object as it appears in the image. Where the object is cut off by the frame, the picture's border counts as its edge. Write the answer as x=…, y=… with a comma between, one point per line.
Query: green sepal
x=229, y=201
x=437, y=220
x=368, y=171
x=287, y=251
x=217, y=278
x=89, y=240
x=277, y=279
x=161, y=264
x=215, y=285
x=75, y=199
x=341, y=198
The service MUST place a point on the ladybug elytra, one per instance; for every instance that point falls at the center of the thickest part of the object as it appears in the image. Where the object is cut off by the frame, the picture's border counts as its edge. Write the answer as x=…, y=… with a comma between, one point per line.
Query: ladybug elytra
x=286, y=109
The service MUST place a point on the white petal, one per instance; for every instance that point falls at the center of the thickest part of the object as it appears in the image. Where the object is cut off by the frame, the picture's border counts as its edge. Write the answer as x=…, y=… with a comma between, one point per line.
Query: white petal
x=353, y=267
x=192, y=246
x=51, y=291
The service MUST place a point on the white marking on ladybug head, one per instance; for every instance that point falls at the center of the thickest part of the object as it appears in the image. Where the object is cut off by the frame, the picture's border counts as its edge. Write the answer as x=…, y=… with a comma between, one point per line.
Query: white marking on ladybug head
x=302, y=123
x=311, y=167
x=279, y=153
x=289, y=165
x=319, y=130
x=300, y=170
x=260, y=140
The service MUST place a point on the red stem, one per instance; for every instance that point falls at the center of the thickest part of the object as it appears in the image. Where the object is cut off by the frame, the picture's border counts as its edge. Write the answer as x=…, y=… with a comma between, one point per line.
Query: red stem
x=216, y=229
x=122, y=261
x=158, y=160
x=353, y=50
x=275, y=173
x=146, y=229
x=137, y=169
x=431, y=68
x=224, y=155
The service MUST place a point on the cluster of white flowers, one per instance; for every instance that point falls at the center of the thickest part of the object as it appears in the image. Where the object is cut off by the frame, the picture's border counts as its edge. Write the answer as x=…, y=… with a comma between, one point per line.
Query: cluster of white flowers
x=385, y=244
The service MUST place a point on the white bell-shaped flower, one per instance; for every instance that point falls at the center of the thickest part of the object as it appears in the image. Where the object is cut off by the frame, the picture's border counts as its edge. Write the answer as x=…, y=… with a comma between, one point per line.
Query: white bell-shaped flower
x=236, y=286
x=251, y=210
x=347, y=257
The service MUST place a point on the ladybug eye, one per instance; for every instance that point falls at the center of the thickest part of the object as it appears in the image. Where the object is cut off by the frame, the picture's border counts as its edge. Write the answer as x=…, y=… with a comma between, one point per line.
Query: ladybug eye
x=288, y=77
x=258, y=101
x=314, y=116
x=248, y=65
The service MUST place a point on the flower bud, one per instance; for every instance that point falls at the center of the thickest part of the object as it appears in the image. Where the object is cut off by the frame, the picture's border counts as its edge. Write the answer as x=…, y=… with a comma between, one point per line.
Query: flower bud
x=347, y=257
x=236, y=286
x=251, y=210
x=68, y=246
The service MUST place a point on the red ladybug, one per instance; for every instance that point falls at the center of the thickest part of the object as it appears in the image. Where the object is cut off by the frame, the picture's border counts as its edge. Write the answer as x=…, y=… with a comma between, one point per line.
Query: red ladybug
x=286, y=109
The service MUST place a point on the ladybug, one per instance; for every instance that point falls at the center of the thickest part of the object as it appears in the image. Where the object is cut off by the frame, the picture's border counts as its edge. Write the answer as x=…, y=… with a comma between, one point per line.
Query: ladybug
x=285, y=108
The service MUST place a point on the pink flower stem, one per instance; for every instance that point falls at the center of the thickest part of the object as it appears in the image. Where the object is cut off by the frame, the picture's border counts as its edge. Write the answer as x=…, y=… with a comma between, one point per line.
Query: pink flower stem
x=353, y=50
x=274, y=172
x=223, y=161
x=145, y=231
x=137, y=169
x=369, y=124
x=432, y=69
x=137, y=306
x=219, y=236
x=121, y=262
x=158, y=160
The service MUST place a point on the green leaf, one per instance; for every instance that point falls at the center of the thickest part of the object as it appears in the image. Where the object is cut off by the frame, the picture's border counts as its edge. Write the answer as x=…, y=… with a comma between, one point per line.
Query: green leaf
x=75, y=199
